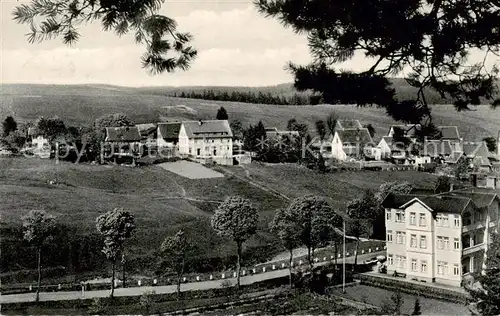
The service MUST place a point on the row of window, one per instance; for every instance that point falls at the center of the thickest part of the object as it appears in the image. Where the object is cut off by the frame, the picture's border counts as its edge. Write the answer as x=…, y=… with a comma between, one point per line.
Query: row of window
x=442, y=220
x=441, y=242
x=442, y=266
x=223, y=140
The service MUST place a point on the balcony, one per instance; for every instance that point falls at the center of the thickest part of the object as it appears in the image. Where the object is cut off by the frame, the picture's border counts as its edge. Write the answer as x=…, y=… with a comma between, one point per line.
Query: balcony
x=474, y=248
x=474, y=226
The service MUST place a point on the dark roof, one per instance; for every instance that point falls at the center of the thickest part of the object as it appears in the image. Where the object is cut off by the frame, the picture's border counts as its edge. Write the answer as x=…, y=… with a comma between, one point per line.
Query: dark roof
x=408, y=129
x=169, y=130
x=346, y=124
x=454, y=157
x=271, y=129
x=123, y=134
x=480, y=199
x=355, y=136
x=436, y=148
x=476, y=149
x=146, y=129
x=449, y=132
x=437, y=203
x=212, y=129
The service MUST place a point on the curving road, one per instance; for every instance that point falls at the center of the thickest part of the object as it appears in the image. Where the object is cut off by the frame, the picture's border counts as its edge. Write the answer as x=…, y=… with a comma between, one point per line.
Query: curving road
x=136, y=291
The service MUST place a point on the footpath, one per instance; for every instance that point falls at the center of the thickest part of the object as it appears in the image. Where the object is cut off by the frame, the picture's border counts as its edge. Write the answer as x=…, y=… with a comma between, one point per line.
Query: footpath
x=165, y=289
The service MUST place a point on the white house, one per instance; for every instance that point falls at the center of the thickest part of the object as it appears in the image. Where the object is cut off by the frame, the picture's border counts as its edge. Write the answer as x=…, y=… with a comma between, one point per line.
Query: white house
x=168, y=134
x=440, y=238
x=352, y=143
x=210, y=140
x=40, y=145
x=409, y=130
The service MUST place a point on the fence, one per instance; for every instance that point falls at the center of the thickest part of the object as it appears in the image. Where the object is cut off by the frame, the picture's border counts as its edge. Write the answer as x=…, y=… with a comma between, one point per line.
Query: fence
x=190, y=278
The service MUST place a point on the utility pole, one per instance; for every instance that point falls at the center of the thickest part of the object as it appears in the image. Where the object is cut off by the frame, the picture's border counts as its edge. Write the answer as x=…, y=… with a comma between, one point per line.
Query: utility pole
x=343, y=261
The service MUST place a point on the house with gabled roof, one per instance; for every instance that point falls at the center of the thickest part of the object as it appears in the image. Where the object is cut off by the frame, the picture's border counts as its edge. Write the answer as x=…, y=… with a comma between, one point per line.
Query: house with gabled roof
x=440, y=238
x=123, y=141
x=348, y=124
x=207, y=140
x=353, y=143
x=38, y=144
x=437, y=150
x=168, y=134
x=409, y=130
x=451, y=134
x=273, y=132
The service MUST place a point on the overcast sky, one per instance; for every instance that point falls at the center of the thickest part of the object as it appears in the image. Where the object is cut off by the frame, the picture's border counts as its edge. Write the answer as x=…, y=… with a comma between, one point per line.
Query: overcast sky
x=236, y=46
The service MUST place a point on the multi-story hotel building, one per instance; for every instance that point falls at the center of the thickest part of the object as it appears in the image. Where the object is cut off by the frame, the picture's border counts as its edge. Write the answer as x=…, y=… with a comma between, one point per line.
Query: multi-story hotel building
x=440, y=237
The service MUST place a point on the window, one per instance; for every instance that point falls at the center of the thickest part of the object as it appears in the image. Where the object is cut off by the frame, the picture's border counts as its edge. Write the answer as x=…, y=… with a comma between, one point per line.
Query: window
x=413, y=218
x=403, y=262
x=422, y=219
x=456, y=221
x=456, y=244
x=400, y=238
x=198, y=151
x=413, y=241
x=439, y=220
x=215, y=152
x=388, y=215
x=414, y=265
x=423, y=266
x=440, y=267
x=445, y=267
x=471, y=264
x=389, y=236
x=439, y=242
x=189, y=150
x=446, y=220
x=390, y=260
x=456, y=269
x=446, y=243
x=400, y=216
x=423, y=242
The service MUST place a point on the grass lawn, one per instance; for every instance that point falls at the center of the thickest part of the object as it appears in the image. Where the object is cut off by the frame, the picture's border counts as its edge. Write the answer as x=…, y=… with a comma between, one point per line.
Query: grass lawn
x=293, y=181
x=377, y=296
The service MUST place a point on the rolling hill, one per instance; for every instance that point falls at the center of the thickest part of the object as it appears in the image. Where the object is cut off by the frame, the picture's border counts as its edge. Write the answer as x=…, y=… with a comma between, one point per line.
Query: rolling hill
x=82, y=104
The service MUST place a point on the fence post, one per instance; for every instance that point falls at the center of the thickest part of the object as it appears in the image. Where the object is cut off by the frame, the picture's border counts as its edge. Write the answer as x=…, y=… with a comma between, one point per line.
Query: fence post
x=223, y=276
x=211, y=277
x=274, y=267
x=139, y=283
x=155, y=282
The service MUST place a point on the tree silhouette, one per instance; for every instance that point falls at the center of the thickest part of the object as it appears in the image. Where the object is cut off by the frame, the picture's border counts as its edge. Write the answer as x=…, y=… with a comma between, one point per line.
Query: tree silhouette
x=9, y=125
x=236, y=218
x=222, y=114
x=38, y=226
x=116, y=226
x=321, y=129
x=416, y=307
x=49, y=19
x=429, y=40
x=175, y=250
x=491, y=143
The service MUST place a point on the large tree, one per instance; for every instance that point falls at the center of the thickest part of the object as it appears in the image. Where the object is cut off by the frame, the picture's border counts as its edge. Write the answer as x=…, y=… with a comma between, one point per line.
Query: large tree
x=166, y=48
x=431, y=42
x=9, y=125
x=175, y=250
x=116, y=226
x=363, y=211
x=38, y=226
x=321, y=129
x=488, y=295
x=52, y=128
x=222, y=114
x=287, y=229
x=313, y=215
x=236, y=218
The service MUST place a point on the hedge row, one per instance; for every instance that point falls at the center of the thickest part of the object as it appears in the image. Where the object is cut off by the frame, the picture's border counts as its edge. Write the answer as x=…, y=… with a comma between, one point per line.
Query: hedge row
x=413, y=288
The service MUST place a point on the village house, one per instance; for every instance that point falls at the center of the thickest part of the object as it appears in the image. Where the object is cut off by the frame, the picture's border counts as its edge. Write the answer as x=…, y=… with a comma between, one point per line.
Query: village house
x=342, y=124
x=451, y=134
x=408, y=130
x=168, y=134
x=148, y=133
x=124, y=141
x=440, y=238
x=206, y=141
x=354, y=143
x=38, y=144
x=437, y=150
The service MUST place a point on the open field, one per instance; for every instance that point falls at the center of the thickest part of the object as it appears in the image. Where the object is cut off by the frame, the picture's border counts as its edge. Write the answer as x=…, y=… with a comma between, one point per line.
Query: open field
x=294, y=181
x=191, y=170
x=83, y=104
